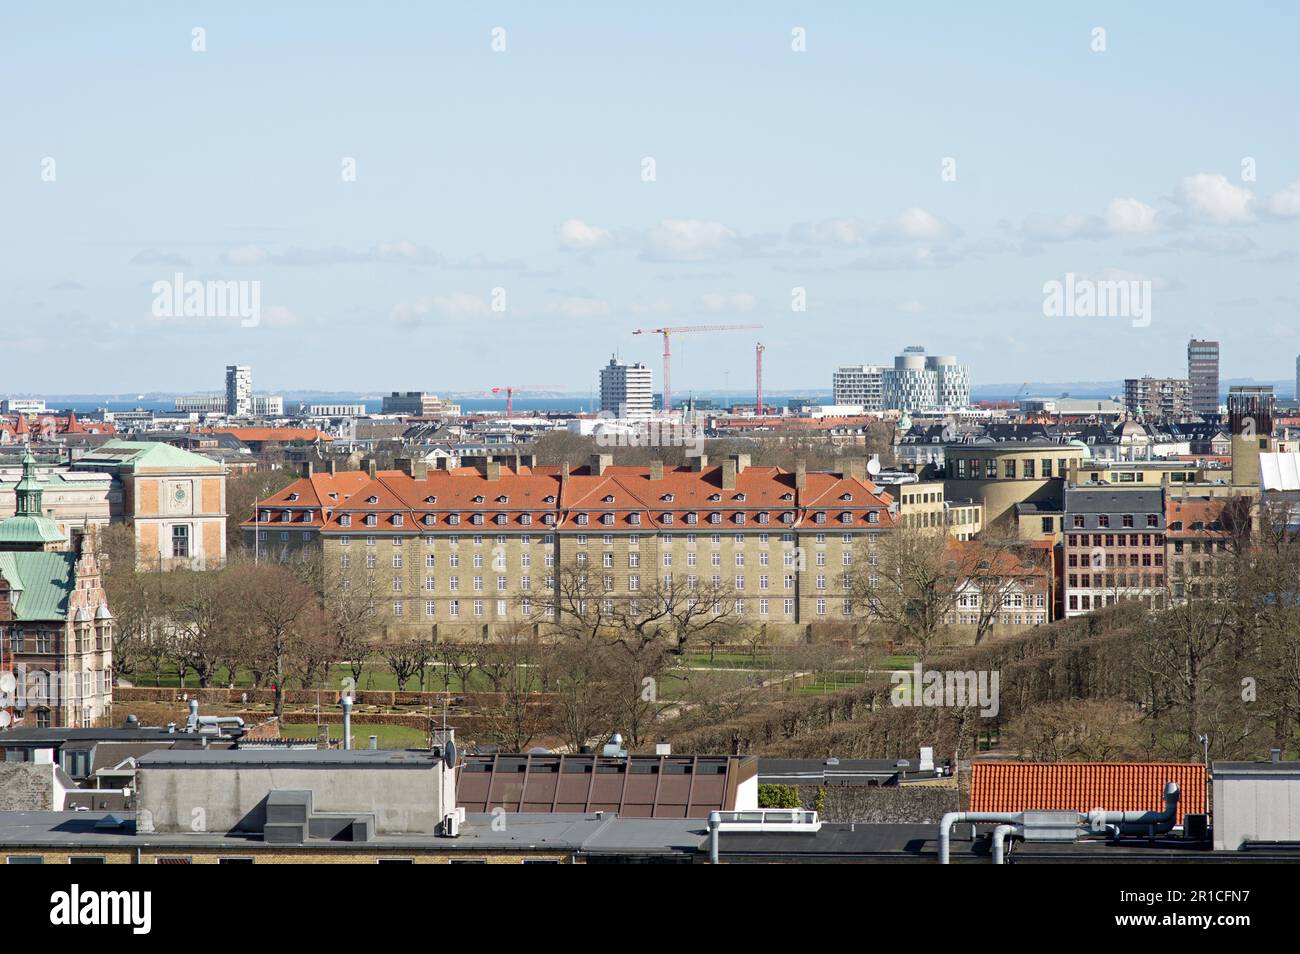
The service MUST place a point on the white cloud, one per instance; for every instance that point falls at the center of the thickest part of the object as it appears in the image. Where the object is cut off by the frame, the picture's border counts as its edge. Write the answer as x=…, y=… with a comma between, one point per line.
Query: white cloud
x=1213, y=197
x=912, y=307
x=689, y=240
x=1130, y=217
x=576, y=235
x=455, y=305
x=911, y=225
x=733, y=301
x=401, y=252
x=1285, y=204
x=920, y=225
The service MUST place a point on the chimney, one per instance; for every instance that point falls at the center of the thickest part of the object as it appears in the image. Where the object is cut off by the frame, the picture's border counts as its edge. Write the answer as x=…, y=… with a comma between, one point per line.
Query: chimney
x=656, y=470
x=728, y=474
x=333, y=466
x=854, y=468
x=419, y=468
x=742, y=461
x=1275, y=756
x=405, y=465
x=370, y=467
x=599, y=462
x=307, y=468
x=800, y=474
x=699, y=463
x=493, y=470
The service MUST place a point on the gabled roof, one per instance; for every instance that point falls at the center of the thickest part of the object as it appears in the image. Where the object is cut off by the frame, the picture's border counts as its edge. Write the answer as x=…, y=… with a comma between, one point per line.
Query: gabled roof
x=1083, y=786
x=39, y=583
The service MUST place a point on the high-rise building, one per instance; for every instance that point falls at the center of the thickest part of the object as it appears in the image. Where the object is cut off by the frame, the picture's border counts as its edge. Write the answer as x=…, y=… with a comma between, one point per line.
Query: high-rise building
x=1203, y=375
x=859, y=385
x=626, y=390
x=918, y=381
x=1158, y=399
x=239, y=390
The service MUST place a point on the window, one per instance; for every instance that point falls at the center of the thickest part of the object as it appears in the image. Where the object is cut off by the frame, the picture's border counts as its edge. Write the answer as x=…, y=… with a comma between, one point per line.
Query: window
x=180, y=541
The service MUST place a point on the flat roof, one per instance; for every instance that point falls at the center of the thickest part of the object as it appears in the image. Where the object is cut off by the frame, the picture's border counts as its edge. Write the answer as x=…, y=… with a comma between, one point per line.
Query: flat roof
x=297, y=758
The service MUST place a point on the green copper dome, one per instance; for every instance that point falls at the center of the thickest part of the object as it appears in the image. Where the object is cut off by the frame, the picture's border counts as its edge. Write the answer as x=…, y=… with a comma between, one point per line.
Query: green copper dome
x=29, y=528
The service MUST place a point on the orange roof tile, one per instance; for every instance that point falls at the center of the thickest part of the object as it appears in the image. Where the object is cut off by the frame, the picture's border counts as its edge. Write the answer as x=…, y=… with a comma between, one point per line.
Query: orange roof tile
x=1083, y=786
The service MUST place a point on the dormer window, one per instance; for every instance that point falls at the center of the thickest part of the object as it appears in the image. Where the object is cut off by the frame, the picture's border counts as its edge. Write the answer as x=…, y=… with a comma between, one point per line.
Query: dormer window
x=371, y=520
x=634, y=519
x=764, y=517
x=501, y=519
x=293, y=496
x=715, y=518
x=476, y=519
x=430, y=499
x=453, y=519
x=873, y=516
x=286, y=516
x=692, y=518
x=550, y=499
x=739, y=497
x=609, y=498
x=548, y=518
x=398, y=519
x=478, y=499
x=667, y=497
x=526, y=519
x=345, y=520
x=738, y=518
x=372, y=499
x=503, y=499
x=846, y=496
x=430, y=520
x=787, y=517
x=715, y=496
x=666, y=518
x=846, y=517
x=787, y=496
x=582, y=519
x=333, y=495
x=607, y=518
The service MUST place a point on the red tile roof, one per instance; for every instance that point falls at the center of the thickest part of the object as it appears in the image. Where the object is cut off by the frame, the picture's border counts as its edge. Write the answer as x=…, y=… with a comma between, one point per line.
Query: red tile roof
x=621, y=497
x=1083, y=786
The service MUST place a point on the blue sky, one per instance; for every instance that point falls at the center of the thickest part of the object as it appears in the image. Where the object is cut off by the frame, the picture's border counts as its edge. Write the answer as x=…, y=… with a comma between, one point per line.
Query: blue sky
x=521, y=170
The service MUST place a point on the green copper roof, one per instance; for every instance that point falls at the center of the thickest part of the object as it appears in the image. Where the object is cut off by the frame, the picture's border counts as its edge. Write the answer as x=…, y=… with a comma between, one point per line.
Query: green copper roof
x=152, y=454
x=28, y=526
x=39, y=583
x=27, y=529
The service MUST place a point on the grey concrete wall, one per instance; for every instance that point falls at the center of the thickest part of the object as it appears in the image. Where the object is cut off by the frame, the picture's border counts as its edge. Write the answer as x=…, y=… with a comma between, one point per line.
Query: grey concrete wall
x=234, y=799
x=877, y=805
x=27, y=787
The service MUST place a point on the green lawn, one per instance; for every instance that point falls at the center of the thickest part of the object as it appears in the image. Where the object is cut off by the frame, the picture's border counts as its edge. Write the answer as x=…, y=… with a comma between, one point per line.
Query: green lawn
x=390, y=736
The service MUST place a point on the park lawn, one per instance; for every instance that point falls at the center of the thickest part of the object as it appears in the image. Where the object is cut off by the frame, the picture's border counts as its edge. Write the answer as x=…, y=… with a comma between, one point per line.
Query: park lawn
x=390, y=736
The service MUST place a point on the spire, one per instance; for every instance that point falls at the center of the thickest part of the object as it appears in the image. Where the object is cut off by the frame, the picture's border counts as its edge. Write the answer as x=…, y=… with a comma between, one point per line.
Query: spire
x=28, y=492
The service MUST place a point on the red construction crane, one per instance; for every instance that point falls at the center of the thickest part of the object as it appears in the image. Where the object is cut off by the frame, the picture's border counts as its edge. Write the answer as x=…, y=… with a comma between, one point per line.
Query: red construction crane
x=529, y=389
x=759, y=348
x=666, y=332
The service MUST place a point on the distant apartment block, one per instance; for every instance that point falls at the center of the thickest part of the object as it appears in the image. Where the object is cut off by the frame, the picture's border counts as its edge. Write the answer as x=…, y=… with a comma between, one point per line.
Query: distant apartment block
x=1155, y=399
x=1203, y=376
x=239, y=390
x=918, y=381
x=37, y=406
x=202, y=404
x=626, y=390
x=418, y=404
x=333, y=410
x=859, y=385
x=1114, y=548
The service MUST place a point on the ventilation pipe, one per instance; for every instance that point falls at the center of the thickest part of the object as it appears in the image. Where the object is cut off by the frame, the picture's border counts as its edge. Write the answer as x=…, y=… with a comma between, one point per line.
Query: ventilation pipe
x=1000, y=835
x=715, y=823
x=346, y=701
x=1098, y=821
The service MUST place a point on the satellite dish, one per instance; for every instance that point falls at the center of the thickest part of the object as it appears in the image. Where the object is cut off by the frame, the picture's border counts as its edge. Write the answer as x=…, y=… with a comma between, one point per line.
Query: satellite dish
x=449, y=754
x=7, y=683
x=873, y=466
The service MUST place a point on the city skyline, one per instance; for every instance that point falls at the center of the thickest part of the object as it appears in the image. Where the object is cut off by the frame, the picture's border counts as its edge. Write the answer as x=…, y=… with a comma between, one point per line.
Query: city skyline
x=934, y=214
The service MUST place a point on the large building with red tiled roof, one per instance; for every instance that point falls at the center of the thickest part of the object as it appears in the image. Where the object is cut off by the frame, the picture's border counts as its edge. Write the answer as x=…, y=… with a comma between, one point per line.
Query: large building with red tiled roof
x=473, y=547
x=1083, y=786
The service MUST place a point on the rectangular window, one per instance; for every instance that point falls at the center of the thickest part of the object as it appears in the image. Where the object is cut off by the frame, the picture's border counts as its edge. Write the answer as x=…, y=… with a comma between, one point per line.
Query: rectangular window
x=180, y=541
